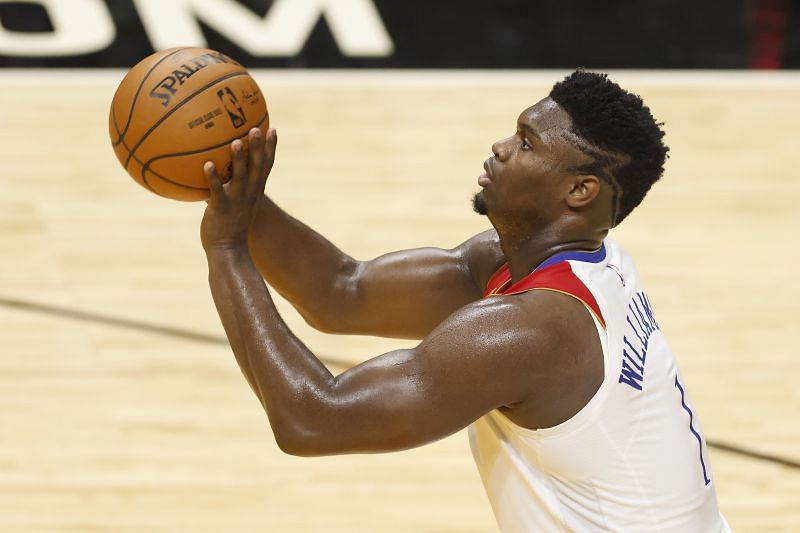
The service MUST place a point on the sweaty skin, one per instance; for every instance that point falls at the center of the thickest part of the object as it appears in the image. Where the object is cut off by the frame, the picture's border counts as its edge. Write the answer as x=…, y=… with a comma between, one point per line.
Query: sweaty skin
x=534, y=356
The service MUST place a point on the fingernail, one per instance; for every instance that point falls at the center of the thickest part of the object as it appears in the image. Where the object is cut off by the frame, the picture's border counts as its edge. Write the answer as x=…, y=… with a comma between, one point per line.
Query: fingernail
x=237, y=145
x=208, y=166
x=257, y=134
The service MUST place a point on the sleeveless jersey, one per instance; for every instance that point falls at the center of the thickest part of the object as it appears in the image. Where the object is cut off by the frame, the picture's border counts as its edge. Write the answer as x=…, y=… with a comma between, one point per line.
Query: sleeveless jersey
x=634, y=457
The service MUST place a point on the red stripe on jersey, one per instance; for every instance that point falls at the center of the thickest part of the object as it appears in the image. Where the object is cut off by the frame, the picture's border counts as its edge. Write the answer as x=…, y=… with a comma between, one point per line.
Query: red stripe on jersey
x=497, y=281
x=558, y=277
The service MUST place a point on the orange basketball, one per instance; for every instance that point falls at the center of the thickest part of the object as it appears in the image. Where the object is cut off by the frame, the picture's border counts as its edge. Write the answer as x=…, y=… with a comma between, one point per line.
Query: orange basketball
x=177, y=109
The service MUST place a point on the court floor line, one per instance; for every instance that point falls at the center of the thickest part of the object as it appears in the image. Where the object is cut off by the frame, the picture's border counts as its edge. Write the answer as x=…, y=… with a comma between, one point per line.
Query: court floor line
x=195, y=336
x=767, y=457
x=131, y=324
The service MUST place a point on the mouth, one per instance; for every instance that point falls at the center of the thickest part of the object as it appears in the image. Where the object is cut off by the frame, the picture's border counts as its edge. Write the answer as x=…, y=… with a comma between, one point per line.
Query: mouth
x=485, y=178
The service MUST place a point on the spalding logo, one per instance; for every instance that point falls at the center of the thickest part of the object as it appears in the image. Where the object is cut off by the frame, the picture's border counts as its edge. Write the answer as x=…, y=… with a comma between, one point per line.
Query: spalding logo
x=166, y=88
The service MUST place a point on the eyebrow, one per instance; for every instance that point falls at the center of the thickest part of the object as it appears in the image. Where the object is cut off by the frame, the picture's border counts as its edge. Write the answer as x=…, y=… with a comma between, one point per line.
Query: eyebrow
x=529, y=129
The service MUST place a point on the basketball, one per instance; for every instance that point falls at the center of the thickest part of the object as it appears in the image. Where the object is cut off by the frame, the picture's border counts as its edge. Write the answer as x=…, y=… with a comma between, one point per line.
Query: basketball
x=177, y=109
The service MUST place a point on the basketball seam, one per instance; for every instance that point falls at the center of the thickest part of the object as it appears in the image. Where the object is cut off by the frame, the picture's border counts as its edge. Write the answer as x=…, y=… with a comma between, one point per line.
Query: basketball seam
x=147, y=184
x=159, y=176
x=178, y=106
x=116, y=126
x=146, y=166
x=141, y=174
x=136, y=96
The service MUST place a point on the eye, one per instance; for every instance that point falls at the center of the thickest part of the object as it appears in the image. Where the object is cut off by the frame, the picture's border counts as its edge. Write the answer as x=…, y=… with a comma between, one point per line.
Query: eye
x=525, y=146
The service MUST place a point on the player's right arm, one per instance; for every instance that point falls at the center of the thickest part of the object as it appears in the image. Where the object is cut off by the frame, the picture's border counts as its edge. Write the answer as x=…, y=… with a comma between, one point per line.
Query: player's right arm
x=403, y=294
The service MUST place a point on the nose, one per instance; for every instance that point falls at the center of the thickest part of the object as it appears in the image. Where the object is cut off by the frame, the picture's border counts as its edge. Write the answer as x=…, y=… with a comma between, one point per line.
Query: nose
x=499, y=150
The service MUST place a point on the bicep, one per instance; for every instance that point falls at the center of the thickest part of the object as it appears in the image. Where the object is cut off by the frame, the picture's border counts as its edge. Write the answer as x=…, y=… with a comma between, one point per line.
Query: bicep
x=407, y=294
x=470, y=365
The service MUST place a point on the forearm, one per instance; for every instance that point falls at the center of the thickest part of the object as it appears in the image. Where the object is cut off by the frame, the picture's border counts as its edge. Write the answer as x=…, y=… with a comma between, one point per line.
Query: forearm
x=302, y=265
x=288, y=379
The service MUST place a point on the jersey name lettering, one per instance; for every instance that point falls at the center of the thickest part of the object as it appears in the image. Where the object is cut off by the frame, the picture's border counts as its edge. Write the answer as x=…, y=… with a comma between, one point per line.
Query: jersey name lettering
x=641, y=325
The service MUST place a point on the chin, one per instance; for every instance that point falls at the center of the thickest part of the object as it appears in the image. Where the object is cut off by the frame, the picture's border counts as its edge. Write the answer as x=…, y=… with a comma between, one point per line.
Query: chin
x=479, y=204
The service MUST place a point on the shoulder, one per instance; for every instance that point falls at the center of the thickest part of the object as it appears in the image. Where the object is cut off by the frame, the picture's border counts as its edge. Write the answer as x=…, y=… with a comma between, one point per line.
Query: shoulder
x=530, y=324
x=482, y=256
x=515, y=346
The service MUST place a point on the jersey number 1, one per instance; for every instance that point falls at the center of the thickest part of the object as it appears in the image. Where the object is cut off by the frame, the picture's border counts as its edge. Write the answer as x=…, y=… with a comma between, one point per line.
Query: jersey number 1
x=691, y=428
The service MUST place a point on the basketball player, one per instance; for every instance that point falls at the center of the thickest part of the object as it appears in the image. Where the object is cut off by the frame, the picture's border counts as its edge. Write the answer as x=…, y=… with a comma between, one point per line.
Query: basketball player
x=537, y=335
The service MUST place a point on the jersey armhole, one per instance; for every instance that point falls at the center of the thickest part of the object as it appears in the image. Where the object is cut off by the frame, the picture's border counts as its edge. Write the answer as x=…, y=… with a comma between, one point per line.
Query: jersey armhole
x=594, y=313
x=585, y=415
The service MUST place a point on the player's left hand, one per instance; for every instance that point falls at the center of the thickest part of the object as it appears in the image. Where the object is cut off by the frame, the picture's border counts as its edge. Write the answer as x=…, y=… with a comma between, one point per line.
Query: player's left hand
x=232, y=205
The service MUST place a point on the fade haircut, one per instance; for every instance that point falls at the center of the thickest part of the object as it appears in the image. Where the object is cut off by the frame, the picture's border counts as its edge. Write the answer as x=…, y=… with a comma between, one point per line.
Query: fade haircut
x=626, y=142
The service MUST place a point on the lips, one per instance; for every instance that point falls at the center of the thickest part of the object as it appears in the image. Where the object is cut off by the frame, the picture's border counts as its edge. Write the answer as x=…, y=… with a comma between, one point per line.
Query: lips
x=487, y=168
x=485, y=178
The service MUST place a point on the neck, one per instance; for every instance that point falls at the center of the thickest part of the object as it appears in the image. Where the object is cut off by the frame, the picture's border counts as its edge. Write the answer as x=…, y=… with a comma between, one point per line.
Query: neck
x=524, y=251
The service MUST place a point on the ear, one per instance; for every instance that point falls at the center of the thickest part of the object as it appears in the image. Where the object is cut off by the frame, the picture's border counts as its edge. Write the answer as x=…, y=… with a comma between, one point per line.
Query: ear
x=583, y=189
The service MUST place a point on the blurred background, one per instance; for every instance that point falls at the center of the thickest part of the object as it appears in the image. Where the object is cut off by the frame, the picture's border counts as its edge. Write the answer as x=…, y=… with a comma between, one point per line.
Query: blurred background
x=675, y=34
x=121, y=406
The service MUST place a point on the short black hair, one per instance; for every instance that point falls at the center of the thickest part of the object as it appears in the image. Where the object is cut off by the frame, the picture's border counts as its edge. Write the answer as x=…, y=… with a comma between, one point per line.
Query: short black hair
x=617, y=122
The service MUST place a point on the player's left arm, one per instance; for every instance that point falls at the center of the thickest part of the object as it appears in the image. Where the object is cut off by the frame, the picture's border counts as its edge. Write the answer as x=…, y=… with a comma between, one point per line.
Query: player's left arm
x=485, y=355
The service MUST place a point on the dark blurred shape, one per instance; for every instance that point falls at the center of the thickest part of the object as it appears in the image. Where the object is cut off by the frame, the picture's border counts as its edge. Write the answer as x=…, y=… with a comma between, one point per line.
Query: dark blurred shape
x=769, y=20
x=490, y=34
x=25, y=17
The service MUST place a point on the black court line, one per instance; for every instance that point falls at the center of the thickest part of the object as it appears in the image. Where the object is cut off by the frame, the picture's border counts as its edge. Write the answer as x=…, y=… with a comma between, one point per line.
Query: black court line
x=126, y=323
x=753, y=454
x=195, y=336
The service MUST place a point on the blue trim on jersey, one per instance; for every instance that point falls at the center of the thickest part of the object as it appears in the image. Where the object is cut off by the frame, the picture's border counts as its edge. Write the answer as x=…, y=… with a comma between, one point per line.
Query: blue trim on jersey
x=691, y=428
x=587, y=257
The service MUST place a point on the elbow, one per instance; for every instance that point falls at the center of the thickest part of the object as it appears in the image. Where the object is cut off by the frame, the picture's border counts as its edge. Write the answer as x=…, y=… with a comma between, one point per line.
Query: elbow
x=338, y=310
x=302, y=436
x=299, y=445
x=295, y=450
x=287, y=445
x=324, y=322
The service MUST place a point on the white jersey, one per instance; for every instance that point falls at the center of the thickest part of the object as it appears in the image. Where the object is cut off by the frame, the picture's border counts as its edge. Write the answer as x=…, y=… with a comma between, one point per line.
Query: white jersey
x=634, y=458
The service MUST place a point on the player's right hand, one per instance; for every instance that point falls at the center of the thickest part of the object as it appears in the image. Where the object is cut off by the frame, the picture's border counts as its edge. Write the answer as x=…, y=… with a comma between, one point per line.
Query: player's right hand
x=232, y=205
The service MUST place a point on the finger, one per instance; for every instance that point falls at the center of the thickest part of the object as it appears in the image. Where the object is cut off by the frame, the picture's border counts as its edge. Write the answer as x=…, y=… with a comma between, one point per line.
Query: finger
x=271, y=144
x=214, y=182
x=256, y=143
x=257, y=176
x=238, y=179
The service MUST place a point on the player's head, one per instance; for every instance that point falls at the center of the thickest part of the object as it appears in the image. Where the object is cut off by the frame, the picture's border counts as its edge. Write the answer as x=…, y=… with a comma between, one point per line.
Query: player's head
x=617, y=122
x=590, y=147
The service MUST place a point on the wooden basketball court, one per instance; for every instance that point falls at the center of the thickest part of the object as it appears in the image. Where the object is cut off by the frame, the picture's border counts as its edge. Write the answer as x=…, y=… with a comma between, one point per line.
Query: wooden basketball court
x=122, y=408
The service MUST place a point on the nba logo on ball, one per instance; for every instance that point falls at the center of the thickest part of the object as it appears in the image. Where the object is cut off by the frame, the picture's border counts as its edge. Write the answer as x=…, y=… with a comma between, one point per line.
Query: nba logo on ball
x=231, y=105
x=166, y=119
